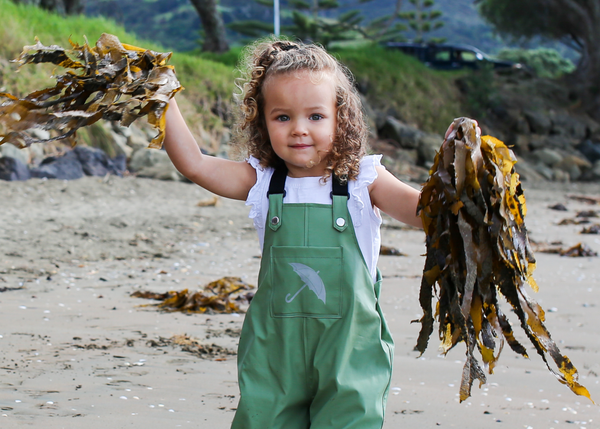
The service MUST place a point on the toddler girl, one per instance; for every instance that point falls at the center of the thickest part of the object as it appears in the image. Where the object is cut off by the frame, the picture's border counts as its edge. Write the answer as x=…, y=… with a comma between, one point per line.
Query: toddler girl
x=315, y=351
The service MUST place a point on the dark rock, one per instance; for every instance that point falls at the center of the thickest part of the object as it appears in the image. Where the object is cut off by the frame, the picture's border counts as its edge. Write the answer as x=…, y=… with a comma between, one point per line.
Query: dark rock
x=429, y=144
x=95, y=162
x=120, y=162
x=407, y=156
x=544, y=171
x=143, y=158
x=548, y=156
x=406, y=170
x=562, y=142
x=12, y=169
x=518, y=123
x=561, y=175
x=590, y=150
x=521, y=143
x=161, y=172
x=512, y=119
x=574, y=166
x=78, y=162
x=593, y=174
x=66, y=167
x=11, y=151
x=380, y=118
x=538, y=122
x=531, y=168
x=137, y=141
x=402, y=134
x=569, y=125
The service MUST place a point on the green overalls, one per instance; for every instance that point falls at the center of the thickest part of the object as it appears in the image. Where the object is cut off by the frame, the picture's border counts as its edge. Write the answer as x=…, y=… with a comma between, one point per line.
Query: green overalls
x=315, y=351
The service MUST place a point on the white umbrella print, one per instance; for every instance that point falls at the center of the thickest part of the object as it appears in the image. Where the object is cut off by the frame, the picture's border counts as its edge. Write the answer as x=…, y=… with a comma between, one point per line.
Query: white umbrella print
x=311, y=279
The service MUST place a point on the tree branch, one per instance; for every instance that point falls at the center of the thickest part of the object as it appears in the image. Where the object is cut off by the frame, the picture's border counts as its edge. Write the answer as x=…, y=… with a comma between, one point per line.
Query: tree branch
x=391, y=20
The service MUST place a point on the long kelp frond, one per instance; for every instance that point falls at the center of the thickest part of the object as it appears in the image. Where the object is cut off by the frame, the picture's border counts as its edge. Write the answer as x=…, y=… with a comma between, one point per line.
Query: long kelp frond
x=111, y=80
x=473, y=211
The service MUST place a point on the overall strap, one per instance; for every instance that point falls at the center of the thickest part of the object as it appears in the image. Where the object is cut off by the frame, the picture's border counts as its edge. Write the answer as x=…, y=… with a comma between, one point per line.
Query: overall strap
x=275, y=194
x=339, y=197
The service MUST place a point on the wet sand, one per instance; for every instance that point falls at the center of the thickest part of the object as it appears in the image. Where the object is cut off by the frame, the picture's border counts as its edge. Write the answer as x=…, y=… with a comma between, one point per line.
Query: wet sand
x=78, y=351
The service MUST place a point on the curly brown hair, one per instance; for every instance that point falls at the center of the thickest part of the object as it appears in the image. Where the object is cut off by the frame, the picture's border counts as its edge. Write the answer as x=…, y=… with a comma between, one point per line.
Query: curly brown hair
x=273, y=56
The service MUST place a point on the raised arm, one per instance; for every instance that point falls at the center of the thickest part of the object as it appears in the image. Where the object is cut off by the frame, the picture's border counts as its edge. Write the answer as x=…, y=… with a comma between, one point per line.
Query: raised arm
x=223, y=177
x=395, y=198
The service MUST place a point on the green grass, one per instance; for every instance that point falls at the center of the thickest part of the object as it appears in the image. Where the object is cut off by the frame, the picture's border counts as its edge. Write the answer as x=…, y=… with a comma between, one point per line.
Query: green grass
x=229, y=58
x=400, y=84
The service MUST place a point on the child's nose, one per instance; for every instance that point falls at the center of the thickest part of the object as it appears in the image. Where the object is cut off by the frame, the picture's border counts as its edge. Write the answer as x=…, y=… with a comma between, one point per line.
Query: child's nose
x=299, y=129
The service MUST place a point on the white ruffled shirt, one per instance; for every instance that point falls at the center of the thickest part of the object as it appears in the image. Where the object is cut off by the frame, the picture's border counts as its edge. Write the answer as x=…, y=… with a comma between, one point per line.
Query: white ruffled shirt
x=365, y=216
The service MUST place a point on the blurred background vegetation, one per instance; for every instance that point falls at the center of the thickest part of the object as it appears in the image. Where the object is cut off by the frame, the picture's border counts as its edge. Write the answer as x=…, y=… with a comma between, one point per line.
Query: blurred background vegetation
x=208, y=36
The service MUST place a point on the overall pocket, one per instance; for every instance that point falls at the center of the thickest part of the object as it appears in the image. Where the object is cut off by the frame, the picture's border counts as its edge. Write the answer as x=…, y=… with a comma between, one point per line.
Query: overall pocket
x=306, y=281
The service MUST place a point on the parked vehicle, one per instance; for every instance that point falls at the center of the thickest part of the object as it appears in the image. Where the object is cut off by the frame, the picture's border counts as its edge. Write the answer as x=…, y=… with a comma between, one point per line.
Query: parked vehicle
x=449, y=57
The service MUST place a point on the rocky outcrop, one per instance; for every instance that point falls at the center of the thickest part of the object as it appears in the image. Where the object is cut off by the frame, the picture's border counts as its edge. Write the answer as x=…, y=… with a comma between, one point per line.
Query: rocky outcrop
x=102, y=149
x=537, y=118
x=153, y=164
x=563, y=147
x=13, y=169
x=413, y=146
x=552, y=141
x=78, y=162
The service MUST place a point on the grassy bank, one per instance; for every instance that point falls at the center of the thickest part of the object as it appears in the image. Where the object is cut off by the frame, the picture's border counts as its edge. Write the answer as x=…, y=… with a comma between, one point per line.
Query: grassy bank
x=404, y=87
x=393, y=83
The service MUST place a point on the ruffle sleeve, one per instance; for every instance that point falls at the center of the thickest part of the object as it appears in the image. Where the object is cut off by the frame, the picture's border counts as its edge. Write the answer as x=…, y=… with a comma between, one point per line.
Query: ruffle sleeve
x=359, y=192
x=258, y=192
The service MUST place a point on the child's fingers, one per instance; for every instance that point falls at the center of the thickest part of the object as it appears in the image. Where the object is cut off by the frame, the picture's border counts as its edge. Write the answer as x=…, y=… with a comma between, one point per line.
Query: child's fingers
x=448, y=131
x=477, y=129
x=451, y=127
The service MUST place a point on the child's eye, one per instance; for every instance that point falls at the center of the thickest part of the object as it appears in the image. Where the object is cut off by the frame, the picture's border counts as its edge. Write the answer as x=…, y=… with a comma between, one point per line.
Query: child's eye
x=315, y=117
x=283, y=118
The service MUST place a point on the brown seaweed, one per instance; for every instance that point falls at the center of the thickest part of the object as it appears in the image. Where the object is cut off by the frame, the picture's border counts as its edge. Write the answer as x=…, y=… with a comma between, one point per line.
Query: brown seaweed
x=10, y=289
x=558, y=207
x=390, y=251
x=574, y=221
x=575, y=251
x=193, y=346
x=473, y=211
x=112, y=81
x=585, y=199
x=578, y=250
x=587, y=213
x=219, y=296
x=592, y=229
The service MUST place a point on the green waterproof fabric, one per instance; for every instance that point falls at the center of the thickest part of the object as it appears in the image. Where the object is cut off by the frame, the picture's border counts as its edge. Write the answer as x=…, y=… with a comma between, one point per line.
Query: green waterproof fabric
x=315, y=351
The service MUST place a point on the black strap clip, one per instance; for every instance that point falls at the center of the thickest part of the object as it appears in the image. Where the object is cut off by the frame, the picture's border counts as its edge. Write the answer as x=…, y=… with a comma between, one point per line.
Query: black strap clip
x=277, y=184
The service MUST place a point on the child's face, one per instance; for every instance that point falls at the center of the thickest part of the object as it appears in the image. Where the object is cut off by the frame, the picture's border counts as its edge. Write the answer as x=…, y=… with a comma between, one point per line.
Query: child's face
x=301, y=120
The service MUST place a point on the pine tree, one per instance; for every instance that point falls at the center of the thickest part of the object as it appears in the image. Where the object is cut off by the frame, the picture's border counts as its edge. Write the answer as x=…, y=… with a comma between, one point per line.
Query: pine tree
x=423, y=19
x=308, y=22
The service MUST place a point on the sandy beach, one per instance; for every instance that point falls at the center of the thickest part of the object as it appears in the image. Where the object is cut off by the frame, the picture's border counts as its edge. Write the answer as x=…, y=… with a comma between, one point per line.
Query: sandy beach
x=77, y=351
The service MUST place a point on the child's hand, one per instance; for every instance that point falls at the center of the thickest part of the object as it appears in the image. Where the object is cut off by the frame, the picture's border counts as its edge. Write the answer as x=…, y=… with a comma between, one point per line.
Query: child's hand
x=451, y=127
